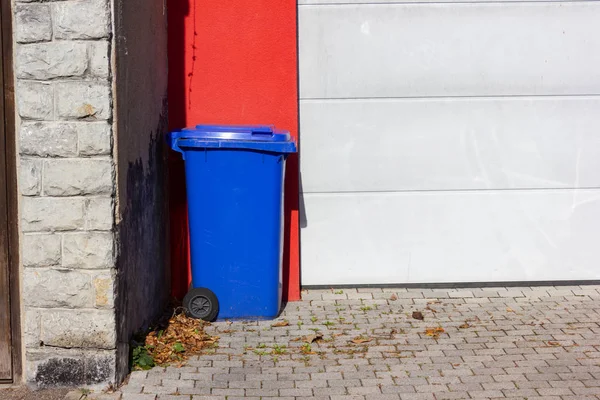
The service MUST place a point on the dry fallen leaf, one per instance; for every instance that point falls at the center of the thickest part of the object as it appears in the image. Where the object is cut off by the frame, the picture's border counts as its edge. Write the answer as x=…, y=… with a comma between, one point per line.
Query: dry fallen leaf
x=280, y=324
x=359, y=340
x=297, y=339
x=433, y=310
x=418, y=315
x=465, y=326
x=551, y=343
x=393, y=297
x=306, y=349
x=312, y=338
x=434, y=332
x=508, y=309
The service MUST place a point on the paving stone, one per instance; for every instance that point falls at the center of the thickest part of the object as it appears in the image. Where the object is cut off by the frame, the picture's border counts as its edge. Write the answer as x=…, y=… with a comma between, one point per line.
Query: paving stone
x=501, y=355
x=136, y=396
x=451, y=395
x=202, y=397
x=520, y=393
x=159, y=390
x=379, y=396
x=329, y=391
x=262, y=392
x=132, y=388
x=195, y=391
x=364, y=390
x=295, y=392
x=227, y=392
x=347, y=397
x=416, y=396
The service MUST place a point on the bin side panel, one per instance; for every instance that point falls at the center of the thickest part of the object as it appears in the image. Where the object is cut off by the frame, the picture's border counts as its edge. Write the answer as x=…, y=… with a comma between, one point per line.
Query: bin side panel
x=235, y=213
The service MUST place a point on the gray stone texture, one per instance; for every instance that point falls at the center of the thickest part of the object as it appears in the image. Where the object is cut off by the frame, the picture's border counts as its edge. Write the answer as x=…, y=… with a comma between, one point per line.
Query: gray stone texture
x=35, y=100
x=76, y=367
x=94, y=138
x=32, y=327
x=43, y=214
x=67, y=186
x=30, y=173
x=43, y=250
x=79, y=329
x=32, y=23
x=89, y=250
x=51, y=60
x=79, y=100
x=48, y=139
x=98, y=55
x=98, y=213
x=78, y=177
x=81, y=19
x=53, y=288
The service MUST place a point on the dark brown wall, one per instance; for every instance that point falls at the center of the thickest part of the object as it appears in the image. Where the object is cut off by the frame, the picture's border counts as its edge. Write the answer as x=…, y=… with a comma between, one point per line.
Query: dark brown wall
x=141, y=122
x=9, y=178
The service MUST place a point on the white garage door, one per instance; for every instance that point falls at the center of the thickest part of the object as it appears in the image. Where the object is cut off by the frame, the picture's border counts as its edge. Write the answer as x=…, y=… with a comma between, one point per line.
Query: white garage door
x=449, y=142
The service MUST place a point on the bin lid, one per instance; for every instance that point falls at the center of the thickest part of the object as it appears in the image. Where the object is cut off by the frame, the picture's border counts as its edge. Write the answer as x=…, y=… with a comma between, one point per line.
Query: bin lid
x=251, y=137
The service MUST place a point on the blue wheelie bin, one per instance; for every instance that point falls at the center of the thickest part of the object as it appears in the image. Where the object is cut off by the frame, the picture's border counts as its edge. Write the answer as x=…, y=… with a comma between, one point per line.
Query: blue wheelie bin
x=234, y=178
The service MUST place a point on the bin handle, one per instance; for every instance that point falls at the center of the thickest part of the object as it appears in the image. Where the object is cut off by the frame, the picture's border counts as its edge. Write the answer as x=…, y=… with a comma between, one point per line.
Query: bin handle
x=262, y=129
x=173, y=139
x=257, y=132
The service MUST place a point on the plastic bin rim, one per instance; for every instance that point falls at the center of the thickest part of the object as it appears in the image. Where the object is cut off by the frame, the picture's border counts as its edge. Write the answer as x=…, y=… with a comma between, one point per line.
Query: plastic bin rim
x=182, y=141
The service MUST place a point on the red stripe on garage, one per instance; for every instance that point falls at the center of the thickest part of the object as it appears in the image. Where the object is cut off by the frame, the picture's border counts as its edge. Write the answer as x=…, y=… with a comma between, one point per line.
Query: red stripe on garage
x=233, y=62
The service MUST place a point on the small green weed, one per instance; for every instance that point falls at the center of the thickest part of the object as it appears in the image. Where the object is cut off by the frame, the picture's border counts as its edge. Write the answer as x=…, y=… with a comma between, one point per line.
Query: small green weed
x=142, y=359
x=279, y=349
x=306, y=348
x=178, y=348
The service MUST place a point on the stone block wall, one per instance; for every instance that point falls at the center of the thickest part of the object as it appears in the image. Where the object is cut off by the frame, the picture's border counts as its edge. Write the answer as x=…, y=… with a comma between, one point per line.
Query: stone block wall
x=67, y=183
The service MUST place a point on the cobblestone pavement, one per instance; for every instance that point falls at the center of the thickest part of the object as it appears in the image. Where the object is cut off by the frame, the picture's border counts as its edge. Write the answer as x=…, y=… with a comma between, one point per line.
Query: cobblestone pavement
x=488, y=343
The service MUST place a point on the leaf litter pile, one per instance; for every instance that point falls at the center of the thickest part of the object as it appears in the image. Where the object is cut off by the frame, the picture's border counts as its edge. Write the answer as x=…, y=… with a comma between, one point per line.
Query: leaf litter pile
x=172, y=342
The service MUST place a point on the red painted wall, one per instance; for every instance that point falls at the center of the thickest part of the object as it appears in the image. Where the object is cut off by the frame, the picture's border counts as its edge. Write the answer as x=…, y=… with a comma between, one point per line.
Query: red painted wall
x=233, y=62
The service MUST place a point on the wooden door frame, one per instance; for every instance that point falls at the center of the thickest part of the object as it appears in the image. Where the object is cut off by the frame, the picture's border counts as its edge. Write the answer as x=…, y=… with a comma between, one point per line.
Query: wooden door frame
x=8, y=93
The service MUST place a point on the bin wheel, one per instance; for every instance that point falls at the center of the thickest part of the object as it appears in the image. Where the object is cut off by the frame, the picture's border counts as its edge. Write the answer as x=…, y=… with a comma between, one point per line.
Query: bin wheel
x=201, y=303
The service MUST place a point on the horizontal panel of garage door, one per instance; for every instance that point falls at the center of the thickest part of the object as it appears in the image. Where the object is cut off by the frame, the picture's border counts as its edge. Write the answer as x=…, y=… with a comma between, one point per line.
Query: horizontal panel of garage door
x=450, y=144
x=460, y=49
x=450, y=237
